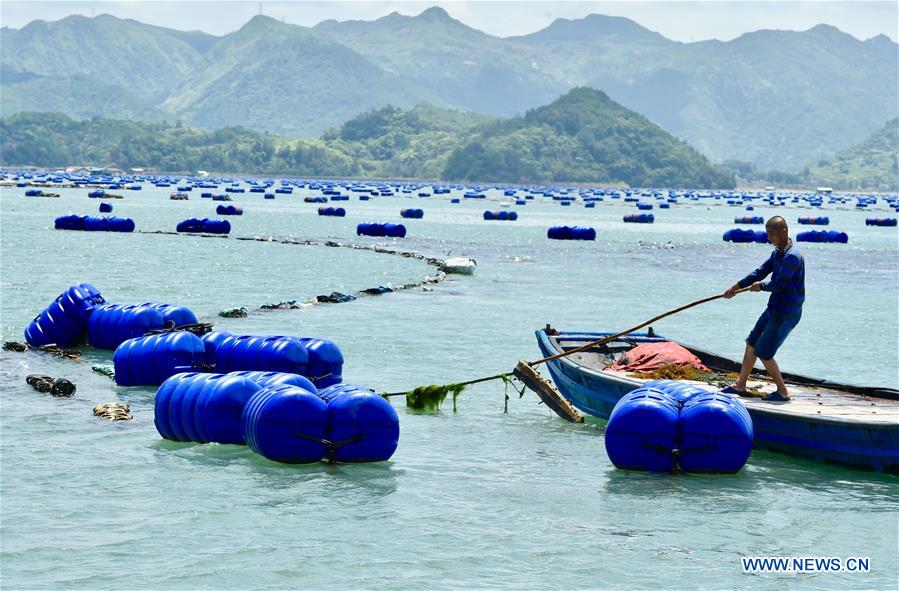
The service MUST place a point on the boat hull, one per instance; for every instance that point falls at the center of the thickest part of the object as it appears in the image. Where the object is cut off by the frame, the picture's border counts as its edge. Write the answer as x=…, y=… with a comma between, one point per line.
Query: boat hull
x=867, y=445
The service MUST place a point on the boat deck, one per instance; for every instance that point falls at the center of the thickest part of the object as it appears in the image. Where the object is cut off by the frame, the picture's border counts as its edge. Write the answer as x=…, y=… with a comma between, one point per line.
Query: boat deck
x=808, y=400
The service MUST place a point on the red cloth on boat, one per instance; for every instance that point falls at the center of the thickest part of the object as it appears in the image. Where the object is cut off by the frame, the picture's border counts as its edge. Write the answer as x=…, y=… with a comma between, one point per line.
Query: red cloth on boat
x=650, y=356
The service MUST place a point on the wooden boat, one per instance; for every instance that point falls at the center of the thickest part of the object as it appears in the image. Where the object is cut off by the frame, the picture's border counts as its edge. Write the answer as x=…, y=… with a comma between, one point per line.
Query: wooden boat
x=850, y=425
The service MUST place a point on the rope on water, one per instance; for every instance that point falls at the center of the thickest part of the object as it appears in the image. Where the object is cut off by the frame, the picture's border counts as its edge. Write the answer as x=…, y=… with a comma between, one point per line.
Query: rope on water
x=198, y=328
x=113, y=411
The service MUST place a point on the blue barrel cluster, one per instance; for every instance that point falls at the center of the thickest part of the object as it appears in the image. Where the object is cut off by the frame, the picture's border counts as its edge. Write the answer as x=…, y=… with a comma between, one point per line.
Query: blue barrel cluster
x=880, y=221
x=91, y=223
x=332, y=211
x=378, y=229
x=814, y=221
x=412, y=213
x=666, y=423
x=571, y=233
x=509, y=216
x=741, y=235
x=319, y=359
x=152, y=359
x=749, y=219
x=229, y=210
x=205, y=225
x=280, y=416
x=639, y=218
x=105, y=207
x=823, y=236
x=64, y=322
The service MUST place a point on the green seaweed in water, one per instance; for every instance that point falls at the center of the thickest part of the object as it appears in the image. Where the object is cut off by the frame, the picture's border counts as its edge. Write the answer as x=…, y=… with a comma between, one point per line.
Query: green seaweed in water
x=431, y=397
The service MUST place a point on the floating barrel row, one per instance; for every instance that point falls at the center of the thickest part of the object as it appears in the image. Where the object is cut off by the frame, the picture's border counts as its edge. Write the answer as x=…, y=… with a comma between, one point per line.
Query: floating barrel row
x=229, y=210
x=105, y=207
x=415, y=214
x=204, y=225
x=111, y=325
x=377, y=229
x=279, y=416
x=749, y=219
x=665, y=423
x=880, y=221
x=741, y=235
x=814, y=221
x=90, y=223
x=332, y=211
x=319, y=359
x=639, y=218
x=510, y=216
x=571, y=233
x=65, y=320
x=823, y=236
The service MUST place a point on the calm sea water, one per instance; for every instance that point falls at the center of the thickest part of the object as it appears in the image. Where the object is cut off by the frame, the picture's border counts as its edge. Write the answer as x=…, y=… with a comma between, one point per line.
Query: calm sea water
x=477, y=498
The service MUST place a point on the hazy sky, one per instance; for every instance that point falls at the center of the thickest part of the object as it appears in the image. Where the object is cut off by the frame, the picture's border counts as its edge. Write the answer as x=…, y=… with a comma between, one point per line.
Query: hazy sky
x=683, y=21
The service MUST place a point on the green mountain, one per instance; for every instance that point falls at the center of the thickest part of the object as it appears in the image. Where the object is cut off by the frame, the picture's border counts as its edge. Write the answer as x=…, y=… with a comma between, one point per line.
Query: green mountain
x=465, y=67
x=873, y=164
x=143, y=60
x=283, y=78
x=583, y=137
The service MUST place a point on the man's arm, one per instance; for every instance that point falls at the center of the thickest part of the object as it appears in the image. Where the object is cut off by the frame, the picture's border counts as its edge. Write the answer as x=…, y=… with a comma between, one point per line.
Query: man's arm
x=751, y=279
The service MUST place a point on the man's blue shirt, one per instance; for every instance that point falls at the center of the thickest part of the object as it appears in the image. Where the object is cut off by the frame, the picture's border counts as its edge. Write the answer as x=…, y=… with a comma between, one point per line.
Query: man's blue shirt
x=787, y=284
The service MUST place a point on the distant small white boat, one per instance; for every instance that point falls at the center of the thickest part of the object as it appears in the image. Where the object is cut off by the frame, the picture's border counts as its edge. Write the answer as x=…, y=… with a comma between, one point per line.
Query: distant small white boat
x=460, y=266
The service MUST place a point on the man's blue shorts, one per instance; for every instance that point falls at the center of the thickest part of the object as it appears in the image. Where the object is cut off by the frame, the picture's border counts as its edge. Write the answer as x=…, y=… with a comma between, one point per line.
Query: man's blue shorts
x=770, y=332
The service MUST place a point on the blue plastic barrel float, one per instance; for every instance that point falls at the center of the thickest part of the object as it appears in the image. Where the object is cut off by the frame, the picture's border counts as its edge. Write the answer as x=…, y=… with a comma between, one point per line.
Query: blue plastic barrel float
x=666, y=422
x=285, y=423
x=642, y=431
x=644, y=206
x=97, y=194
x=509, y=216
x=379, y=229
x=332, y=211
x=173, y=315
x=715, y=433
x=205, y=225
x=639, y=218
x=745, y=236
x=320, y=360
x=749, y=219
x=105, y=207
x=112, y=324
x=411, y=213
x=229, y=210
x=571, y=233
x=64, y=322
x=362, y=426
x=830, y=236
x=886, y=222
x=90, y=223
x=152, y=359
x=274, y=378
x=814, y=221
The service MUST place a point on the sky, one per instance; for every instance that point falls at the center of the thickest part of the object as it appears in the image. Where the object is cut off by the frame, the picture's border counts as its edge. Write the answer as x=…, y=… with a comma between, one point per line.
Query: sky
x=678, y=20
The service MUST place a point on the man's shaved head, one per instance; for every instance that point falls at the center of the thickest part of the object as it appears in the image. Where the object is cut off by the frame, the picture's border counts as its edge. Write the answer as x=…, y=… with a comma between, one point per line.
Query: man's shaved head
x=776, y=223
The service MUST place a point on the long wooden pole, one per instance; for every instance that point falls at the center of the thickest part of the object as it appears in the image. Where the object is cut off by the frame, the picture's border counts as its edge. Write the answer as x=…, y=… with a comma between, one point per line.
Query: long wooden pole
x=596, y=343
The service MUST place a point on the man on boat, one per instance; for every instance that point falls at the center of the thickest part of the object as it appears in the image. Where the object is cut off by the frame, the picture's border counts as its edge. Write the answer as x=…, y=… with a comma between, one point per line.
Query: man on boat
x=787, y=286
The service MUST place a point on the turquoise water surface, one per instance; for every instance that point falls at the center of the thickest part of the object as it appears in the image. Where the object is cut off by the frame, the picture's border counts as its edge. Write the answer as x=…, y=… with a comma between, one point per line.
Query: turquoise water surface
x=473, y=499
